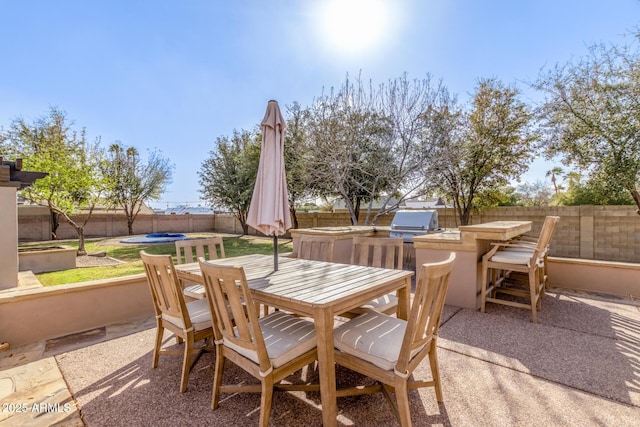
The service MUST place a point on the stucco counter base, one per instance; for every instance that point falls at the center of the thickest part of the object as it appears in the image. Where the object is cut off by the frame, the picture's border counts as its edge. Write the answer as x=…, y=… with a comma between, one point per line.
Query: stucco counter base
x=470, y=243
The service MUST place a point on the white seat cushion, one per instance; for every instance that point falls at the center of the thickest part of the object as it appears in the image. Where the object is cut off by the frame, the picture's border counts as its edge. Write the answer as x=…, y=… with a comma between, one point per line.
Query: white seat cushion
x=512, y=257
x=285, y=336
x=199, y=313
x=374, y=337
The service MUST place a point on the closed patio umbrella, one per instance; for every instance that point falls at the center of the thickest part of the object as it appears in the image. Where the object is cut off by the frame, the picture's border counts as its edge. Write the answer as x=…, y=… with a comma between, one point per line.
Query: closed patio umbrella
x=269, y=209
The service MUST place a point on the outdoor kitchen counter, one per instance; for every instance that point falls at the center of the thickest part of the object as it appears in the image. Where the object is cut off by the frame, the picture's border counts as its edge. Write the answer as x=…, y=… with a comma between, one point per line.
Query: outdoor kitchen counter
x=343, y=238
x=470, y=242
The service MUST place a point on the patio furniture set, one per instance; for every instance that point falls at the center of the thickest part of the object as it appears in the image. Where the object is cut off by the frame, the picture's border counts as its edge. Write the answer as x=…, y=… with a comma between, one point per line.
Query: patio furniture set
x=356, y=315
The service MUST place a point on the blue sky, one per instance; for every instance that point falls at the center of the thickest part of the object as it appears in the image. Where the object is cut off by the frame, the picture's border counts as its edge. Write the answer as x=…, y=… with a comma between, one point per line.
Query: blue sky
x=174, y=75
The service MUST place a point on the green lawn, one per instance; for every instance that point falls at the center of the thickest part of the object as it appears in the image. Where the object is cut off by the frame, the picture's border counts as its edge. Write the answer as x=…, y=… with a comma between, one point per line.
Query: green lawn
x=130, y=254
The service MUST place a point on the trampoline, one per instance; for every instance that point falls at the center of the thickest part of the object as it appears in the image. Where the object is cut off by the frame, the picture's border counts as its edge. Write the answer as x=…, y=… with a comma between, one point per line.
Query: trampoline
x=155, y=238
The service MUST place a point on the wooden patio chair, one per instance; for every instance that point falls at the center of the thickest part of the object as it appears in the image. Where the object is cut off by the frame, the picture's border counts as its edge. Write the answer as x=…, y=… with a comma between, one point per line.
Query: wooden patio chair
x=377, y=252
x=207, y=248
x=316, y=248
x=547, y=231
x=190, y=322
x=269, y=348
x=518, y=268
x=388, y=349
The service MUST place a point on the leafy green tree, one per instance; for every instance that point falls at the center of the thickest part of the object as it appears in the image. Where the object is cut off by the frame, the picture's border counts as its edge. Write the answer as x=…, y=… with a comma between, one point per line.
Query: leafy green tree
x=228, y=175
x=595, y=191
x=296, y=158
x=7, y=149
x=483, y=149
x=133, y=182
x=592, y=114
x=498, y=196
x=74, y=181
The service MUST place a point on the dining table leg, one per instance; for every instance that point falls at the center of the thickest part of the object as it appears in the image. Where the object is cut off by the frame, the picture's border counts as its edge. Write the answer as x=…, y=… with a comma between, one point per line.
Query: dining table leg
x=404, y=299
x=323, y=318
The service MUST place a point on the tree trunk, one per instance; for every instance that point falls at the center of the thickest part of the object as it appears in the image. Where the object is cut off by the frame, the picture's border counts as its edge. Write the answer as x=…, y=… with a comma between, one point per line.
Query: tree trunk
x=55, y=223
x=242, y=219
x=130, y=225
x=463, y=211
x=349, y=204
x=356, y=212
x=465, y=215
x=294, y=218
x=636, y=196
x=81, y=248
x=357, y=209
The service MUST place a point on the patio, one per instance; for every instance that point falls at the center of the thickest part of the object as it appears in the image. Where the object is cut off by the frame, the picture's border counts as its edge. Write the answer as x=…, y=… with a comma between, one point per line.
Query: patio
x=579, y=366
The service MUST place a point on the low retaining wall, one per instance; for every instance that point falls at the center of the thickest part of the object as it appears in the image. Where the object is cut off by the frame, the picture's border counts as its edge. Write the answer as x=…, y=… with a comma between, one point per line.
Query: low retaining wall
x=36, y=314
x=50, y=258
x=42, y=313
x=613, y=278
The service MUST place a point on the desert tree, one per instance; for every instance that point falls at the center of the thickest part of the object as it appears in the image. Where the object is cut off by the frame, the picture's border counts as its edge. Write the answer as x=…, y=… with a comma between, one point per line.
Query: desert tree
x=535, y=193
x=347, y=137
x=483, y=147
x=296, y=158
x=371, y=143
x=593, y=191
x=412, y=108
x=74, y=183
x=592, y=115
x=227, y=177
x=132, y=181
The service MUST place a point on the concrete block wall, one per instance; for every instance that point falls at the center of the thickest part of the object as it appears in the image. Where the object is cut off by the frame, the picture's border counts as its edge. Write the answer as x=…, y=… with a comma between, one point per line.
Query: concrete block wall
x=616, y=234
x=37, y=227
x=608, y=233
x=572, y=237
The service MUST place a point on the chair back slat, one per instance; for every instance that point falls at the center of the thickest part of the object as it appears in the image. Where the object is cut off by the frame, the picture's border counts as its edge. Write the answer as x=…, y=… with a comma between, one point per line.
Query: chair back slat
x=209, y=248
x=546, y=233
x=165, y=286
x=426, y=309
x=231, y=304
x=544, y=240
x=377, y=252
x=316, y=248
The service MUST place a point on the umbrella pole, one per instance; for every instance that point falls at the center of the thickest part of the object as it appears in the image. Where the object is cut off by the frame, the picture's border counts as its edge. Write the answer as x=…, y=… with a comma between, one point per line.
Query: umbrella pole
x=275, y=253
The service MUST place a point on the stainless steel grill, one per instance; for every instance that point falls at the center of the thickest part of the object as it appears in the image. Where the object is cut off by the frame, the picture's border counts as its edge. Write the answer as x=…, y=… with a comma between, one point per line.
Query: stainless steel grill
x=410, y=223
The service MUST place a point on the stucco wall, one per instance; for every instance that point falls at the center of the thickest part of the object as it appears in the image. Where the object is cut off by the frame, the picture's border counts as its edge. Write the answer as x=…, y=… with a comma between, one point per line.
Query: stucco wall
x=35, y=314
x=9, y=237
x=41, y=313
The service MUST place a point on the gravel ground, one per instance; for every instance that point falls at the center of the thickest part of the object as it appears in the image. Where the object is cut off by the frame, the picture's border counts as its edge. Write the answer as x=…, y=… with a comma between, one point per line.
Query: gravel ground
x=95, y=261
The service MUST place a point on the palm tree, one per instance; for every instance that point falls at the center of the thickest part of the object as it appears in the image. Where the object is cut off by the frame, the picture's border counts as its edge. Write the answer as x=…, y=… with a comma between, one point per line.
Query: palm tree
x=556, y=170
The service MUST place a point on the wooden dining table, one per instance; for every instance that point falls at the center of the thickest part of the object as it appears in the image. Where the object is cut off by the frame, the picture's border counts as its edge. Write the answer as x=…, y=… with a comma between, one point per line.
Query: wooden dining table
x=320, y=290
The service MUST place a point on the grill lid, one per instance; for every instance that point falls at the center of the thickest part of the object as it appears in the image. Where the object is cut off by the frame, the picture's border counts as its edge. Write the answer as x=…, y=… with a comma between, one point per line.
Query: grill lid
x=415, y=220
x=410, y=223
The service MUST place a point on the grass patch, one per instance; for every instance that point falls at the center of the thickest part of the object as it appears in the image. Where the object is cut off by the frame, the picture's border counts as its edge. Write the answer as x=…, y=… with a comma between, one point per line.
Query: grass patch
x=130, y=255
x=85, y=274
